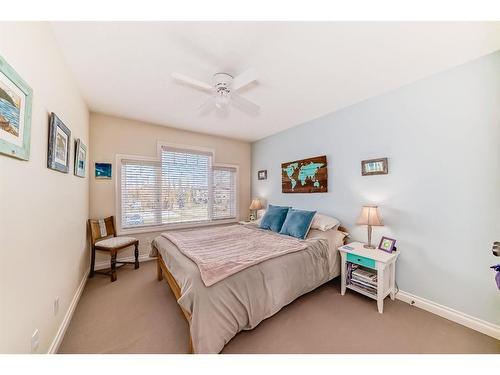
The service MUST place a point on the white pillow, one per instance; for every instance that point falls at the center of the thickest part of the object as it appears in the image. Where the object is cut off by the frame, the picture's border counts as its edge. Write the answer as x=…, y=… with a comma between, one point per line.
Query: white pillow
x=324, y=222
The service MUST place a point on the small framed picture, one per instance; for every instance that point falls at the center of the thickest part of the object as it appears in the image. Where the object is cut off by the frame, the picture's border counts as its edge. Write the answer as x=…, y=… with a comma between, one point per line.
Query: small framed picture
x=262, y=175
x=374, y=166
x=387, y=244
x=103, y=171
x=80, y=158
x=59, y=145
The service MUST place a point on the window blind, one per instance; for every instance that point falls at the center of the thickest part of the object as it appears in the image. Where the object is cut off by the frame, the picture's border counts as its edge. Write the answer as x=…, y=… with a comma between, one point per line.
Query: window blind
x=224, y=193
x=182, y=187
x=186, y=188
x=139, y=193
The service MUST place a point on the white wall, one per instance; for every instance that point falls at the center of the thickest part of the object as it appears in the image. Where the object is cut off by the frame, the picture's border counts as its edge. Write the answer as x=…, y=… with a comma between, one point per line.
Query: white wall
x=441, y=198
x=43, y=252
x=112, y=135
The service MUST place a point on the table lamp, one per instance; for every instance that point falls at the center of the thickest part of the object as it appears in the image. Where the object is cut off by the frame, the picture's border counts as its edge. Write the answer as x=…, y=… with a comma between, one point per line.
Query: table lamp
x=369, y=216
x=254, y=207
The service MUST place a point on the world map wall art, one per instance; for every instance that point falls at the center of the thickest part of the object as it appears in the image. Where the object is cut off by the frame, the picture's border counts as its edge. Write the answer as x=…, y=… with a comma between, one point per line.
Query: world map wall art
x=305, y=176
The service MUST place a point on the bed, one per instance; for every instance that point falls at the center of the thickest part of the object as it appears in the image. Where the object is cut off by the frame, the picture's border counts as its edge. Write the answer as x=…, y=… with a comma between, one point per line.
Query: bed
x=216, y=313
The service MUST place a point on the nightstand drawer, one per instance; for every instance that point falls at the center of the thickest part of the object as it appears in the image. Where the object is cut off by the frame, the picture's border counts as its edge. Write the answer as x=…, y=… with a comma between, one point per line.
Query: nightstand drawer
x=362, y=261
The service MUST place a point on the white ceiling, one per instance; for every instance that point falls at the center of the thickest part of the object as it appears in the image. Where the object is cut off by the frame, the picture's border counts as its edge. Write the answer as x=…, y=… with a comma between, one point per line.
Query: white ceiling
x=305, y=69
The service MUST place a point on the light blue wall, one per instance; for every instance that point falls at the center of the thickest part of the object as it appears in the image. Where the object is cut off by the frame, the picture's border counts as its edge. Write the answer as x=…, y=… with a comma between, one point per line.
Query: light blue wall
x=441, y=198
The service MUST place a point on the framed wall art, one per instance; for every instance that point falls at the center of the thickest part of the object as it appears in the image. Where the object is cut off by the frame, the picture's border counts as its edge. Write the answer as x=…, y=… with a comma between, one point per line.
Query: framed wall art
x=80, y=158
x=374, y=166
x=16, y=99
x=262, y=175
x=103, y=171
x=59, y=145
x=305, y=176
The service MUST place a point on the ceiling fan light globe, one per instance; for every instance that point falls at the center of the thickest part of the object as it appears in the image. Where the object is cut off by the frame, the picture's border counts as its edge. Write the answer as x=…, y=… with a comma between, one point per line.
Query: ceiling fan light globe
x=222, y=100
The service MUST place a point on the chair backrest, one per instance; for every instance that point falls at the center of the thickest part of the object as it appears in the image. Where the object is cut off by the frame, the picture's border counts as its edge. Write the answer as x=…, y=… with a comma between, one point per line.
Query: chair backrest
x=101, y=228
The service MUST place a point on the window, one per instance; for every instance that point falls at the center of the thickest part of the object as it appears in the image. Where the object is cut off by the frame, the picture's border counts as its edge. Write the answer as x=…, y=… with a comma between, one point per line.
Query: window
x=182, y=187
x=185, y=190
x=139, y=193
x=224, y=192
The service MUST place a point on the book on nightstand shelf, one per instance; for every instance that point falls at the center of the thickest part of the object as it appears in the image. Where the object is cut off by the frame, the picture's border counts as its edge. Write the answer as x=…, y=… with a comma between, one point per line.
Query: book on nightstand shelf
x=365, y=275
x=362, y=278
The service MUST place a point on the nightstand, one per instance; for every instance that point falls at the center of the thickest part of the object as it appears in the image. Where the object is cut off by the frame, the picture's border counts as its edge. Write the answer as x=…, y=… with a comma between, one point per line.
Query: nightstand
x=368, y=261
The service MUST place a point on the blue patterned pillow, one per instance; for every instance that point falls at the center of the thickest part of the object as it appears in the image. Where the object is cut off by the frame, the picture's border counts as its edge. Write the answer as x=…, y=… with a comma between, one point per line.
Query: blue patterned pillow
x=274, y=217
x=297, y=223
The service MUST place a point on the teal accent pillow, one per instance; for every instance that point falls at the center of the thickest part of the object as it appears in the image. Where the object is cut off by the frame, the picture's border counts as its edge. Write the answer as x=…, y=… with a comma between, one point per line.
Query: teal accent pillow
x=297, y=223
x=274, y=218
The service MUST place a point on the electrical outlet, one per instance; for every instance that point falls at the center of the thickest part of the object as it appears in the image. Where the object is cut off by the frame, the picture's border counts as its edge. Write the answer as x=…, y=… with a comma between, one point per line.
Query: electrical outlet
x=56, y=306
x=35, y=338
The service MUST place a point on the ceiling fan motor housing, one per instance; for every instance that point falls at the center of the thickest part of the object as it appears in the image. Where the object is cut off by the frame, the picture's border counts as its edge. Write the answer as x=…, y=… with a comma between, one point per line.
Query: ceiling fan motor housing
x=222, y=83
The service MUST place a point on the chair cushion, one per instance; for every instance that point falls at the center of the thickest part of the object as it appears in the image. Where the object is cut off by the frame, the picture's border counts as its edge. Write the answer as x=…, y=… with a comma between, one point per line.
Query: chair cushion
x=116, y=242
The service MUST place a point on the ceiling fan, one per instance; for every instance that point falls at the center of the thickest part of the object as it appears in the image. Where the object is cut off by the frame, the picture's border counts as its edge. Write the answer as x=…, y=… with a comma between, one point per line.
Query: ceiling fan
x=223, y=91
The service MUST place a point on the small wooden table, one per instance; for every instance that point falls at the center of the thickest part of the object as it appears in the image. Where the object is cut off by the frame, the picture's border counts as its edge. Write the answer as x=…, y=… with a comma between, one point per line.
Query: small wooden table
x=382, y=262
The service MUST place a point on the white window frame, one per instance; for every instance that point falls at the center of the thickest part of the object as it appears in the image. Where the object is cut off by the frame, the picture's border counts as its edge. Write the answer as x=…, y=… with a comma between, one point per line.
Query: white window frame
x=162, y=227
x=236, y=193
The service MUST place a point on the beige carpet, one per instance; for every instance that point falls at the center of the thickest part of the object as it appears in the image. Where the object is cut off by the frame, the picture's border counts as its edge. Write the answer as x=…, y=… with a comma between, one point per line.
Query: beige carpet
x=137, y=314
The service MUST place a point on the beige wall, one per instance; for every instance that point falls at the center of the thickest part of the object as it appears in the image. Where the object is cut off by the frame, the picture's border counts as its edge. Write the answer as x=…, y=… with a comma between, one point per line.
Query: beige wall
x=111, y=135
x=42, y=212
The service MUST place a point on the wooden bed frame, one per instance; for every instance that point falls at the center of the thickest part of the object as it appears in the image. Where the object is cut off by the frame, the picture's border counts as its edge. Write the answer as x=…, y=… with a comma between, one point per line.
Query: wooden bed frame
x=163, y=273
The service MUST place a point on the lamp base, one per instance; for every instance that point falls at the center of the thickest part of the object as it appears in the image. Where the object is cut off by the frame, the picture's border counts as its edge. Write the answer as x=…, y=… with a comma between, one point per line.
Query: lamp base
x=366, y=246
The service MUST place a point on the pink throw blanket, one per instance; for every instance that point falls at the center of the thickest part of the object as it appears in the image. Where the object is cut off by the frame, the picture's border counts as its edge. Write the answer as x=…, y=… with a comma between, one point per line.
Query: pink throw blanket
x=220, y=252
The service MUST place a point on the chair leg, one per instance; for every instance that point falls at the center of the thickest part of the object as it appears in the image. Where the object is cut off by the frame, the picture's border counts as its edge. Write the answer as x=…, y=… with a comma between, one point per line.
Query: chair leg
x=113, y=266
x=92, y=262
x=136, y=253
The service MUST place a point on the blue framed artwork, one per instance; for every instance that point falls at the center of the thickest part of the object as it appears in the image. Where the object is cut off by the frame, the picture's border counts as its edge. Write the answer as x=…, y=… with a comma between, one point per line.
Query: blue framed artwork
x=80, y=158
x=15, y=113
x=103, y=171
x=59, y=145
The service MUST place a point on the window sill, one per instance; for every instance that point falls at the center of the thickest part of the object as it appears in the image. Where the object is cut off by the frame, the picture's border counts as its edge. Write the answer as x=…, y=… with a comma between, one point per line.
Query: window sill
x=162, y=228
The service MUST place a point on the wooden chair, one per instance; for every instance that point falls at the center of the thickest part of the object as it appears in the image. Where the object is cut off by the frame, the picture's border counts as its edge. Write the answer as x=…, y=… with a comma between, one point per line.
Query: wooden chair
x=103, y=237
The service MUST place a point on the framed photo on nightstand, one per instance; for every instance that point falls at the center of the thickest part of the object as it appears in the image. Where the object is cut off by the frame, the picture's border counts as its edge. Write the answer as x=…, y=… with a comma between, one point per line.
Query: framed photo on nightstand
x=387, y=244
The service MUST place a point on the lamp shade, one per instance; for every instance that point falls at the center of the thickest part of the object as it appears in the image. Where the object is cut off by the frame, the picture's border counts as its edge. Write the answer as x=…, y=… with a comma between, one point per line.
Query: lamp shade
x=369, y=216
x=256, y=205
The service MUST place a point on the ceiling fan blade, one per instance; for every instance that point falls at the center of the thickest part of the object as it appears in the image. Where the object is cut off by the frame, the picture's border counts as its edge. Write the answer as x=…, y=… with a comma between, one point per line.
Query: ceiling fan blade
x=244, y=104
x=222, y=112
x=192, y=82
x=206, y=107
x=245, y=78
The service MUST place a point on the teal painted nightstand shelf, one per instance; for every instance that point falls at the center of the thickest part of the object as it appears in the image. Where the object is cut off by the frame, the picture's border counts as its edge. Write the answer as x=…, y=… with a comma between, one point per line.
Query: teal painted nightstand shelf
x=382, y=262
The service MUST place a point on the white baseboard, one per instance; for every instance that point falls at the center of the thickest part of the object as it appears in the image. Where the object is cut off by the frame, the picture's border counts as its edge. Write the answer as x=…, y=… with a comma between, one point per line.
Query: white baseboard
x=106, y=264
x=54, y=346
x=468, y=321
